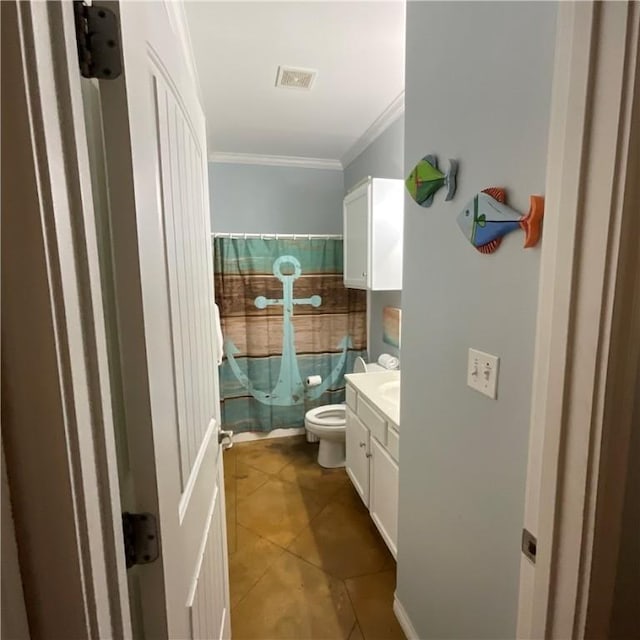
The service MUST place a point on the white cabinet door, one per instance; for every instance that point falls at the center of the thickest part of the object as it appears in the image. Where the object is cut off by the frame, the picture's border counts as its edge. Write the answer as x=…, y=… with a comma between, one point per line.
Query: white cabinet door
x=386, y=229
x=357, y=464
x=383, y=496
x=356, y=237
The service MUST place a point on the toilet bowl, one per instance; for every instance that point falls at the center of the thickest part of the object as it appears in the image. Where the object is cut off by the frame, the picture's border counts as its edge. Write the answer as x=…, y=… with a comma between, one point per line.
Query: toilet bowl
x=328, y=424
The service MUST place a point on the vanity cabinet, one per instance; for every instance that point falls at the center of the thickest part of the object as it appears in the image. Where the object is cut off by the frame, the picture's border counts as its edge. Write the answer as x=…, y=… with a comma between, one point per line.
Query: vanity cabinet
x=372, y=463
x=373, y=217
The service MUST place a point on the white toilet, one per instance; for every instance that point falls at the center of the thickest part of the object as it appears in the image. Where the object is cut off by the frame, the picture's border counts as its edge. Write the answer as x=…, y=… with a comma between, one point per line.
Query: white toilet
x=327, y=424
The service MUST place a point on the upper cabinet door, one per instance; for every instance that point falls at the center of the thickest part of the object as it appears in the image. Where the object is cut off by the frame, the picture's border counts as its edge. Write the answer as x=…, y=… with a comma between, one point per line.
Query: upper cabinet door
x=373, y=228
x=356, y=237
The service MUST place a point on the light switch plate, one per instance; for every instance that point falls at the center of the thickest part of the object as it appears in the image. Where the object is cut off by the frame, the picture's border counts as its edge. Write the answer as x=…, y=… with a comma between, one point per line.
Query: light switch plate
x=482, y=372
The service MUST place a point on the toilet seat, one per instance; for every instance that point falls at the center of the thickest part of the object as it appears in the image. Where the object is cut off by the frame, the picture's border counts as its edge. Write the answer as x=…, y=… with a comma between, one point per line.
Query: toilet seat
x=328, y=415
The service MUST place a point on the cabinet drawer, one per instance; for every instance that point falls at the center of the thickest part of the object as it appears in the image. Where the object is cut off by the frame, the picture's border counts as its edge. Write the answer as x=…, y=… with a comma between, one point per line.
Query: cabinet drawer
x=352, y=395
x=374, y=421
x=393, y=443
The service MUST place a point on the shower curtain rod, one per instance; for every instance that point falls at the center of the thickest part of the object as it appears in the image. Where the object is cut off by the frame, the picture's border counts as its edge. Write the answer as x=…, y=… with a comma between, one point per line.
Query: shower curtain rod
x=277, y=236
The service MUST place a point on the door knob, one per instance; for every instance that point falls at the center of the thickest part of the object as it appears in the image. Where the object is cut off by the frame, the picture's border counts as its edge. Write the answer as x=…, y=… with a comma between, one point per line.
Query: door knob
x=225, y=435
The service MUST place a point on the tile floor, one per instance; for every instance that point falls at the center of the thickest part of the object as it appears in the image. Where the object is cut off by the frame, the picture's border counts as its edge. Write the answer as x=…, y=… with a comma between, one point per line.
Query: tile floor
x=305, y=559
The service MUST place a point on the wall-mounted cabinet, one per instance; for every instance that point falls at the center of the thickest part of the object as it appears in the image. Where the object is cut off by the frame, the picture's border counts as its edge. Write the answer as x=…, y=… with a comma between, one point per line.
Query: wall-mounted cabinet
x=373, y=214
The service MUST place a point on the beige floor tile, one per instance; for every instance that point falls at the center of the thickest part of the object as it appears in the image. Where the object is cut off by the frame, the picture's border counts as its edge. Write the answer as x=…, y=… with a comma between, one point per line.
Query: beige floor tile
x=349, y=496
x=372, y=598
x=277, y=495
x=356, y=633
x=230, y=493
x=342, y=541
x=229, y=461
x=278, y=511
x=271, y=455
x=296, y=601
x=247, y=480
x=253, y=557
x=309, y=474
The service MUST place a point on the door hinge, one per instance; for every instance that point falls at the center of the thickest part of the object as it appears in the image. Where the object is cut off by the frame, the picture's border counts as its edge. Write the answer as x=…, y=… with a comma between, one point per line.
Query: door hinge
x=140, y=533
x=529, y=545
x=98, y=39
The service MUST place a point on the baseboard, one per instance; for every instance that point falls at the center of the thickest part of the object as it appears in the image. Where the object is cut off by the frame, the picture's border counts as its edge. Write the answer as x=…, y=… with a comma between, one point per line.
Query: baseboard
x=249, y=436
x=403, y=619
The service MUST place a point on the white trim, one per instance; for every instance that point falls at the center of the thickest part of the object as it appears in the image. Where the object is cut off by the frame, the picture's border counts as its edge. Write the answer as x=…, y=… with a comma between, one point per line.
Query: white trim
x=298, y=162
x=180, y=24
x=60, y=325
x=403, y=619
x=202, y=549
x=377, y=127
x=252, y=436
x=185, y=498
x=586, y=347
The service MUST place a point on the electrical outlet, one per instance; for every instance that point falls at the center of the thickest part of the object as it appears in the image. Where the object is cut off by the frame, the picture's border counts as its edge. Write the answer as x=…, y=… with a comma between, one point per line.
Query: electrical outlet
x=482, y=372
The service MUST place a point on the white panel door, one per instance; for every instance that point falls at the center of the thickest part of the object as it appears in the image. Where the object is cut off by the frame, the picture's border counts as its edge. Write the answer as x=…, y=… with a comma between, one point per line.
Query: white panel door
x=155, y=147
x=357, y=452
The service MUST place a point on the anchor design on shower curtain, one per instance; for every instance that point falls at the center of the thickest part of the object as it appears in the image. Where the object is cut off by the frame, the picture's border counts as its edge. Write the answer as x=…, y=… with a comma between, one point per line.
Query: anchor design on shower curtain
x=289, y=389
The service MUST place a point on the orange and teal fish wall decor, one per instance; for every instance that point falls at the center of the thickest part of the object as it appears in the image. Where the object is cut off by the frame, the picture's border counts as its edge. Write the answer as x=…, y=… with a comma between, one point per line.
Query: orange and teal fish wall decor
x=426, y=179
x=486, y=219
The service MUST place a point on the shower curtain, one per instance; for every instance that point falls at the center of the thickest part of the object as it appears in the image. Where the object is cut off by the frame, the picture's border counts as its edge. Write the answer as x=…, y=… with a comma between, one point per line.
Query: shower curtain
x=285, y=316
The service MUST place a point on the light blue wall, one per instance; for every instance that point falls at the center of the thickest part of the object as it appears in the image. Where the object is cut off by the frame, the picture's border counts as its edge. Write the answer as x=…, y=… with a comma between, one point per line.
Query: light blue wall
x=262, y=199
x=383, y=158
x=478, y=86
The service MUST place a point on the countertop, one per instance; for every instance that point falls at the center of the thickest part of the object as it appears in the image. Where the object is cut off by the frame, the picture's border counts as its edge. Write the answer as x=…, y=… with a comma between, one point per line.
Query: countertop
x=368, y=384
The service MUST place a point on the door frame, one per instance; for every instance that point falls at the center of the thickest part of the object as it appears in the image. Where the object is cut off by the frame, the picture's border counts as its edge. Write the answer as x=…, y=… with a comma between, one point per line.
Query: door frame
x=578, y=395
x=59, y=445
x=587, y=350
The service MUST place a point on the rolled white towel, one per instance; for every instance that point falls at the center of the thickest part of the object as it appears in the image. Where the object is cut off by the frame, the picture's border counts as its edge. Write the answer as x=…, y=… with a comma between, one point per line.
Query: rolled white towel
x=388, y=361
x=219, y=339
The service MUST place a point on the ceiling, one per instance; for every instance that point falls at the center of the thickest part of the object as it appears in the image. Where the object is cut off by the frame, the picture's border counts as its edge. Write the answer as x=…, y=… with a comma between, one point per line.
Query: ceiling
x=356, y=47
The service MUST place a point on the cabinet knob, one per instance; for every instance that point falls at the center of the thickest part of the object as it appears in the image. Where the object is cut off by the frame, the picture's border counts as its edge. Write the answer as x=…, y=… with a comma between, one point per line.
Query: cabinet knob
x=362, y=444
x=369, y=455
x=364, y=274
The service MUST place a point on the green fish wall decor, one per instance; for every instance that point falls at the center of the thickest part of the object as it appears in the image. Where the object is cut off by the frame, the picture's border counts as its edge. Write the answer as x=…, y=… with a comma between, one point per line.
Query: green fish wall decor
x=426, y=179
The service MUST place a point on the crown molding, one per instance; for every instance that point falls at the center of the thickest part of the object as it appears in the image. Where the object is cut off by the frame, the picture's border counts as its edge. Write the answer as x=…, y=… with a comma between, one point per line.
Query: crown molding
x=379, y=125
x=276, y=161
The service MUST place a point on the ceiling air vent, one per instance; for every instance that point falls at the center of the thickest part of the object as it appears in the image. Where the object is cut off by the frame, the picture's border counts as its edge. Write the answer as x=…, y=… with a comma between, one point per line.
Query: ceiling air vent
x=291, y=78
